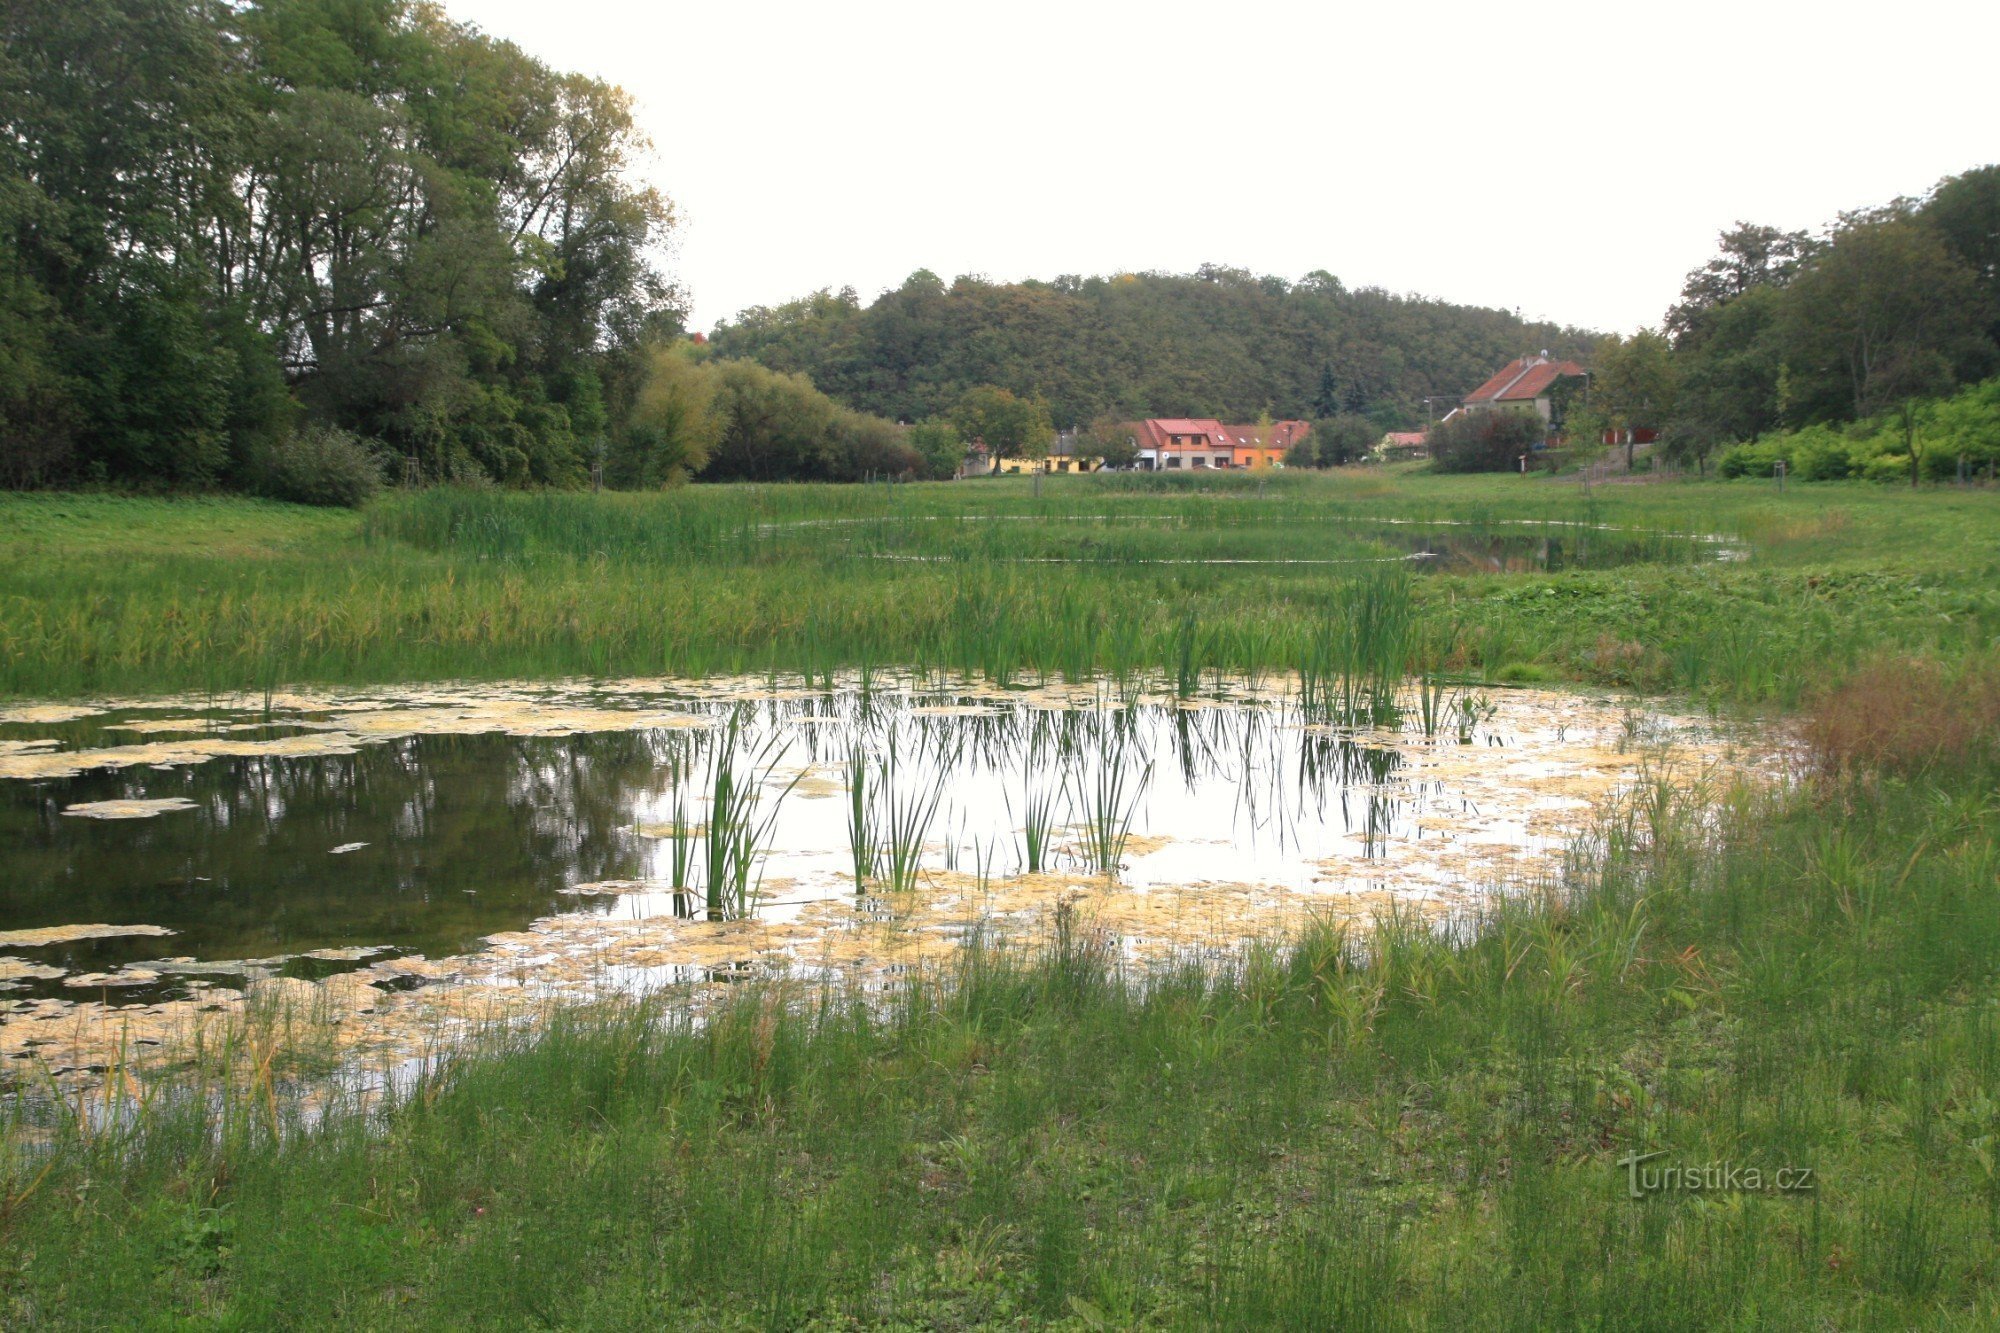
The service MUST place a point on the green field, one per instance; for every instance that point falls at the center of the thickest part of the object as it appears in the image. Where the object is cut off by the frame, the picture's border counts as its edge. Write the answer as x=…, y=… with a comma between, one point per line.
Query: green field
x=1089, y=575
x=1402, y=1131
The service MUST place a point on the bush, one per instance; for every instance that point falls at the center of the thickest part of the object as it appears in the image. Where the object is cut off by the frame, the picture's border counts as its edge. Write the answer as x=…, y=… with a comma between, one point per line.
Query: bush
x=866, y=446
x=1748, y=460
x=1820, y=454
x=321, y=465
x=1887, y=467
x=1965, y=425
x=1485, y=441
x=1907, y=716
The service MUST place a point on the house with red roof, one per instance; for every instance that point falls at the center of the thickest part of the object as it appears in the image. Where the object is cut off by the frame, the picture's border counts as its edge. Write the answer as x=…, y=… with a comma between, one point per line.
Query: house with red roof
x=1398, y=445
x=1185, y=444
x=1265, y=445
x=1530, y=383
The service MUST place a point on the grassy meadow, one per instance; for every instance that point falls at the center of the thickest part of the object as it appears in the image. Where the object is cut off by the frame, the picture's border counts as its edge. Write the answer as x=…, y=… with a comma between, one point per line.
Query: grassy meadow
x=1087, y=575
x=1400, y=1130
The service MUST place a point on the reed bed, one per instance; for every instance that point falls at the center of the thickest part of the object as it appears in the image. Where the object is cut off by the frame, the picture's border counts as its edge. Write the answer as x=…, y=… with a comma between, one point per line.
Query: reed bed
x=103, y=594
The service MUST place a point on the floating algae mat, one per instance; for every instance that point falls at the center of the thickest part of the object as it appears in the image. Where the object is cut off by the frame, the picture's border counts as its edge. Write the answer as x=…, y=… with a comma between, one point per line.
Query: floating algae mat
x=397, y=861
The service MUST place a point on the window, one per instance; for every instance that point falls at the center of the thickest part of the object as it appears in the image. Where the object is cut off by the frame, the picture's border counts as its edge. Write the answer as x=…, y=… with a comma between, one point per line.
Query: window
x=1173, y=462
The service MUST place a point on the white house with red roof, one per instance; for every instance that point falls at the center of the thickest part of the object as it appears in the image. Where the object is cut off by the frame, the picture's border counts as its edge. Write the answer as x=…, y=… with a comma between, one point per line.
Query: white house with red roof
x=1528, y=382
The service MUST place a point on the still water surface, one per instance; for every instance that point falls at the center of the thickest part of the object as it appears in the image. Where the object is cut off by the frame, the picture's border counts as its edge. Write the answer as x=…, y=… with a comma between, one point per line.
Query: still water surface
x=528, y=835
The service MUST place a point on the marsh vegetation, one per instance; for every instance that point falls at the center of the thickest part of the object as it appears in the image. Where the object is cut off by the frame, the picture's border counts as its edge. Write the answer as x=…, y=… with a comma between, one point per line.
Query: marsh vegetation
x=1393, y=1115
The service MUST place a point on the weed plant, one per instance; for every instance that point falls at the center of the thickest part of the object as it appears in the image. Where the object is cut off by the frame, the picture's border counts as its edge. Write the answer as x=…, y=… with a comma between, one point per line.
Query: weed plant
x=1109, y=798
x=909, y=809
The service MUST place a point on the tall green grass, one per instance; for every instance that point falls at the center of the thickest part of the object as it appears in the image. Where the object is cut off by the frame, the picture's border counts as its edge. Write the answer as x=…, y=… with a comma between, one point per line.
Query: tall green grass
x=1393, y=1128
x=103, y=595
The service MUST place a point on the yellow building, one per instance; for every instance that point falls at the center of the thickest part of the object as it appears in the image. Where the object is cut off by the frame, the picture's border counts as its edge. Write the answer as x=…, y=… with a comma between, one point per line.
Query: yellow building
x=1053, y=463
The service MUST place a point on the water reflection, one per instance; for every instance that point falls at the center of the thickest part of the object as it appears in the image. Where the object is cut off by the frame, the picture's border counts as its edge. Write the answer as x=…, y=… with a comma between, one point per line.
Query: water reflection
x=457, y=836
x=428, y=844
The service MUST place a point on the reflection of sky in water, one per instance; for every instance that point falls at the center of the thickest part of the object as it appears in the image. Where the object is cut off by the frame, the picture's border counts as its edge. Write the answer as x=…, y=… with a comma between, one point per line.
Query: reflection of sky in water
x=465, y=835
x=1237, y=793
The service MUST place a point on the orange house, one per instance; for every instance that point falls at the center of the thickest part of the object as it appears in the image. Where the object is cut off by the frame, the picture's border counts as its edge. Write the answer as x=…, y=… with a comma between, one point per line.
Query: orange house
x=1169, y=444
x=1266, y=446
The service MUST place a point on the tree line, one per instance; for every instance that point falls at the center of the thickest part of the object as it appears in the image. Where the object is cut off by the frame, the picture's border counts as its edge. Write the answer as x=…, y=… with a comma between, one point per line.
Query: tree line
x=224, y=222
x=1219, y=342
x=1863, y=329
x=303, y=245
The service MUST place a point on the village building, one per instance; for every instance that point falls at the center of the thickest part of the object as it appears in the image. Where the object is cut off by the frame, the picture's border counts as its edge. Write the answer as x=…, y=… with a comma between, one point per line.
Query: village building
x=1173, y=444
x=1529, y=384
x=1056, y=461
x=1265, y=446
x=1627, y=437
x=1399, y=445
x=976, y=463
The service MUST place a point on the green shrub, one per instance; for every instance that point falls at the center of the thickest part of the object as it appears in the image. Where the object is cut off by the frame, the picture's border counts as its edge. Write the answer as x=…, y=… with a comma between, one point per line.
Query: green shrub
x=1753, y=459
x=1818, y=453
x=1485, y=441
x=1887, y=467
x=321, y=465
x=1965, y=425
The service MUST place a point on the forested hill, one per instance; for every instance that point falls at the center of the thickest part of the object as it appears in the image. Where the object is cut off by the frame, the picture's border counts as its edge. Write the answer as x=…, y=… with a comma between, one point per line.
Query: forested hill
x=1219, y=342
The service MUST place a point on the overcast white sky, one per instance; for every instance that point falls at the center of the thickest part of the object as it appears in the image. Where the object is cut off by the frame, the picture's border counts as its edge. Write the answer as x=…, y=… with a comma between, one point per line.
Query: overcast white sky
x=1572, y=161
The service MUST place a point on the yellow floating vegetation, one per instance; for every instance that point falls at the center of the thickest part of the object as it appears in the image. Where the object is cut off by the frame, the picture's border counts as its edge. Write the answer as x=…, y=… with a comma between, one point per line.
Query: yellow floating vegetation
x=129, y=809
x=41, y=935
x=47, y=714
x=19, y=969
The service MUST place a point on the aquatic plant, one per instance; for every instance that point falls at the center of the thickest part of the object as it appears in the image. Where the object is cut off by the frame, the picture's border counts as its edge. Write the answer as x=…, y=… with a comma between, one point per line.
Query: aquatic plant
x=1358, y=653
x=1186, y=659
x=1038, y=817
x=861, y=835
x=740, y=817
x=909, y=809
x=1433, y=701
x=1109, y=799
x=1469, y=711
x=680, y=831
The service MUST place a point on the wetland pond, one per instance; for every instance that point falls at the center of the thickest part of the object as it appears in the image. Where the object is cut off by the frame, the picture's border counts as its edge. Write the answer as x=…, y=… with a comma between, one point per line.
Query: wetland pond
x=402, y=860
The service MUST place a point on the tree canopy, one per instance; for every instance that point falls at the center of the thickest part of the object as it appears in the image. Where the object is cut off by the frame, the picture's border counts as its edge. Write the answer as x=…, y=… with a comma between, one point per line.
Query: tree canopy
x=1783, y=330
x=223, y=217
x=1219, y=342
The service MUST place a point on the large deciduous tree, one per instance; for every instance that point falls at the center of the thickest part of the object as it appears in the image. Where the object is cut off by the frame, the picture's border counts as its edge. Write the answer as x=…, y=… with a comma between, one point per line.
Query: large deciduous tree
x=1884, y=313
x=1009, y=426
x=214, y=211
x=1749, y=256
x=1340, y=439
x=1965, y=211
x=1634, y=384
